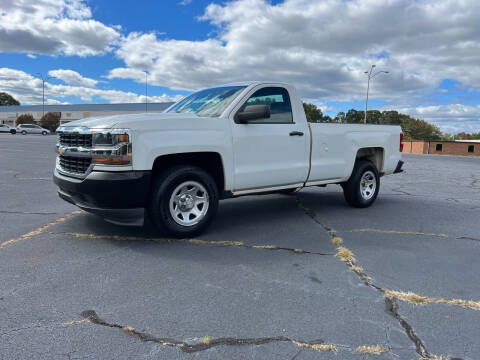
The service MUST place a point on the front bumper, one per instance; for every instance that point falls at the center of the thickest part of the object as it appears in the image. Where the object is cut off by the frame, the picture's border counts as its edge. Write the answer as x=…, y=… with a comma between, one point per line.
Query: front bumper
x=118, y=197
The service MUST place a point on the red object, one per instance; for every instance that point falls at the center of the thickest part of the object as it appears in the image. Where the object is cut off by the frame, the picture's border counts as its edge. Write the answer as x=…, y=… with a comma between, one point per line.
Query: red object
x=401, y=142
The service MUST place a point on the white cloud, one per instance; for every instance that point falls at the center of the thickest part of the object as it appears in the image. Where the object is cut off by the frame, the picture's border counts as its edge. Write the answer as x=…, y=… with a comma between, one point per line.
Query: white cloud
x=322, y=47
x=451, y=118
x=56, y=102
x=28, y=90
x=53, y=27
x=185, y=2
x=124, y=73
x=73, y=78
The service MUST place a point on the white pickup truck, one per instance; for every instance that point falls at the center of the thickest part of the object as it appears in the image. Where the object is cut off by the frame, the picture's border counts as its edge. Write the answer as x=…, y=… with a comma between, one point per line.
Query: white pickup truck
x=217, y=143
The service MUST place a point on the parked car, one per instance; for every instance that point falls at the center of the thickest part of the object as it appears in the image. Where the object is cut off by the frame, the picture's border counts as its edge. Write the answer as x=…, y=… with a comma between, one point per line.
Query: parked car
x=7, y=129
x=217, y=143
x=32, y=129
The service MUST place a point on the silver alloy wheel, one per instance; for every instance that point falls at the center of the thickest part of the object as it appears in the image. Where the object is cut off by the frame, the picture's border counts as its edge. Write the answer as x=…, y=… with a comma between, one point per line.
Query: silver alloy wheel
x=368, y=185
x=189, y=203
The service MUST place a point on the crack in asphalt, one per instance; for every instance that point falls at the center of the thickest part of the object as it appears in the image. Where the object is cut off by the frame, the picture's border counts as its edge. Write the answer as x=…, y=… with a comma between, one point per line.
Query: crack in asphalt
x=391, y=307
x=27, y=212
x=32, y=326
x=39, y=230
x=396, y=232
x=401, y=192
x=16, y=176
x=474, y=182
x=391, y=304
x=193, y=241
x=467, y=238
x=206, y=342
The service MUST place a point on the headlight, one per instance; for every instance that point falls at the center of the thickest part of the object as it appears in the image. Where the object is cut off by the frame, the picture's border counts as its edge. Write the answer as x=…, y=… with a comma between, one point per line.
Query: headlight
x=112, y=148
x=109, y=139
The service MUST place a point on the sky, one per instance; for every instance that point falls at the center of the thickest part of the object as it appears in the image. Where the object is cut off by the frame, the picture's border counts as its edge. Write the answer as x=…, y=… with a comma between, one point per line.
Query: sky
x=97, y=51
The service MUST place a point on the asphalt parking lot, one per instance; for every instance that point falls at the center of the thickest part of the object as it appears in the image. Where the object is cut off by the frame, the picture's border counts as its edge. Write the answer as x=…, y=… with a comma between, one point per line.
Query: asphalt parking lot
x=274, y=277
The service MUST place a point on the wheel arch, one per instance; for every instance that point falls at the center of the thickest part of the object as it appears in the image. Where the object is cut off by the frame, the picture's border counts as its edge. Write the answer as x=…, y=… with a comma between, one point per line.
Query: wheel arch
x=211, y=162
x=375, y=155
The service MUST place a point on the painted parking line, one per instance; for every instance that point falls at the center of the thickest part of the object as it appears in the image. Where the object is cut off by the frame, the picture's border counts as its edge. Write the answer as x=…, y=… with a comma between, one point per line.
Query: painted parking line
x=39, y=230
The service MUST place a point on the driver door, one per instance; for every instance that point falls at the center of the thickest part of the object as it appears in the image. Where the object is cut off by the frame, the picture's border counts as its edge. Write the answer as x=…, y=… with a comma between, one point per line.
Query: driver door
x=272, y=151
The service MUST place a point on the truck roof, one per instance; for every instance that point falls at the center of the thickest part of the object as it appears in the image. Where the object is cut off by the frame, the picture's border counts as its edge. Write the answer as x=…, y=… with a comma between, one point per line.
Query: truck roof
x=248, y=83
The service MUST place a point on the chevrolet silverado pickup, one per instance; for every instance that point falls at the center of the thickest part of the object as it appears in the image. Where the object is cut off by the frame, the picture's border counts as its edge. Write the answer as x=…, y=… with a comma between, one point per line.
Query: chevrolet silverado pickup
x=217, y=143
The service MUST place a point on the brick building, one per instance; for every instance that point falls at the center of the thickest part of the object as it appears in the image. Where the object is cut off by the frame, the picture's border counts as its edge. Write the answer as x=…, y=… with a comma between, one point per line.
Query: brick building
x=459, y=147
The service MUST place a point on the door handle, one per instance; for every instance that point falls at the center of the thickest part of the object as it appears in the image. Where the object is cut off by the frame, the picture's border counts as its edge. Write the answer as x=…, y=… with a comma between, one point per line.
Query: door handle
x=296, y=133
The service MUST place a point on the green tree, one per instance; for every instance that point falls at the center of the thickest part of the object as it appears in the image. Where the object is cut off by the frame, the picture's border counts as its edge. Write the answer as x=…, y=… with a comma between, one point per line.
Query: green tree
x=391, y=117
x=467, y=136
x=448, y=137
x=50, y=121
x=340, y=118
x=313, y=113
x=374, y=117
x=354, y=116
x=25, y=119
x=7, y=100
x=416, y=129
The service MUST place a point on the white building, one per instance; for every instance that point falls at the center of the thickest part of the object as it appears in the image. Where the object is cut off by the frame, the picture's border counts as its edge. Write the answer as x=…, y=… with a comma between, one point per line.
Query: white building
x=9, y=114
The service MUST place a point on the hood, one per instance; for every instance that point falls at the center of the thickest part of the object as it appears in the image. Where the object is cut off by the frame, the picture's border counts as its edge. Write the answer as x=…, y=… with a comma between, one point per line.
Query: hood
x=126, y=121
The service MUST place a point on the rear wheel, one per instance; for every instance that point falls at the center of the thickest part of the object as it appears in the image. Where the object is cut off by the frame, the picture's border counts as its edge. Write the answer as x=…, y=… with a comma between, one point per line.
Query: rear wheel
x=184, y=201
x=24, y=132
x=362, y=188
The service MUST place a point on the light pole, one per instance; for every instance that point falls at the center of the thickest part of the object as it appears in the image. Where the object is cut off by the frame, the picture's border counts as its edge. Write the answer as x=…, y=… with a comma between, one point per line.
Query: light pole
x=146, y=89
x=370, y=76
x=44, y=78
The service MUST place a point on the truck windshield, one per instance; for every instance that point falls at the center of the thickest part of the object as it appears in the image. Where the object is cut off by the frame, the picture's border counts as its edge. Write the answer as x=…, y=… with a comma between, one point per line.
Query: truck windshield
x=208, y=102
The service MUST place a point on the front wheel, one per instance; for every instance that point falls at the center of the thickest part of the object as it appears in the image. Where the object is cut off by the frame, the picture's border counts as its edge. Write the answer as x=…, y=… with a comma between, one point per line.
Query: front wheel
x=184, y=201
x=362, y=188
x=44, y=133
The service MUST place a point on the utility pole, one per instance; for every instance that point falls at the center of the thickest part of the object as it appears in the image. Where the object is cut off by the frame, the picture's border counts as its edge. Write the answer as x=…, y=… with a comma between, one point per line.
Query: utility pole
x=370, y=76
x=146, y=90
x=44, y=79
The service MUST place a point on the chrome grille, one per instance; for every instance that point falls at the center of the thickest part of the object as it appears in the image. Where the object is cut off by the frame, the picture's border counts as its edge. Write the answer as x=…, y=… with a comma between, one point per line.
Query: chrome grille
x=78, y=165
x=75, y=140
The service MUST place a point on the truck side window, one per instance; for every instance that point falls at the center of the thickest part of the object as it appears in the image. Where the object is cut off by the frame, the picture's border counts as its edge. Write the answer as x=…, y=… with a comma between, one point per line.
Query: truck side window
x=278, y=100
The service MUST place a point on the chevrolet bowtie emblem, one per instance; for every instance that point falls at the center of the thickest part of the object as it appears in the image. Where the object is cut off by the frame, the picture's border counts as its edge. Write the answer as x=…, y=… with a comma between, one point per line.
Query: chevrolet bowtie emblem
x=61, y=150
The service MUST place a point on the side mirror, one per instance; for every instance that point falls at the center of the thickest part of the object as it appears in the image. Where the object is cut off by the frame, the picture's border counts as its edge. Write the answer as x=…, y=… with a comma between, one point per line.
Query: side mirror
x=252, y=112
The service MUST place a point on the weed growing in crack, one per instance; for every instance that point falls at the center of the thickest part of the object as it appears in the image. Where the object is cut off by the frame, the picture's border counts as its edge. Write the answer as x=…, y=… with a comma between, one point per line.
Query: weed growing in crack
x=371, y=349
x=317, y=347
x=416, y=299
x=337, y=241
x=345, y=255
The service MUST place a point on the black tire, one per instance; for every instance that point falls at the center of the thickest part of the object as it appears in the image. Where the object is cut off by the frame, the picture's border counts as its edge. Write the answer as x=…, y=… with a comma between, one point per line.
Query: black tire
x=44, y=133
x=162, y=189
x=24, y=132
x=13, y=131
x=352, y=189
